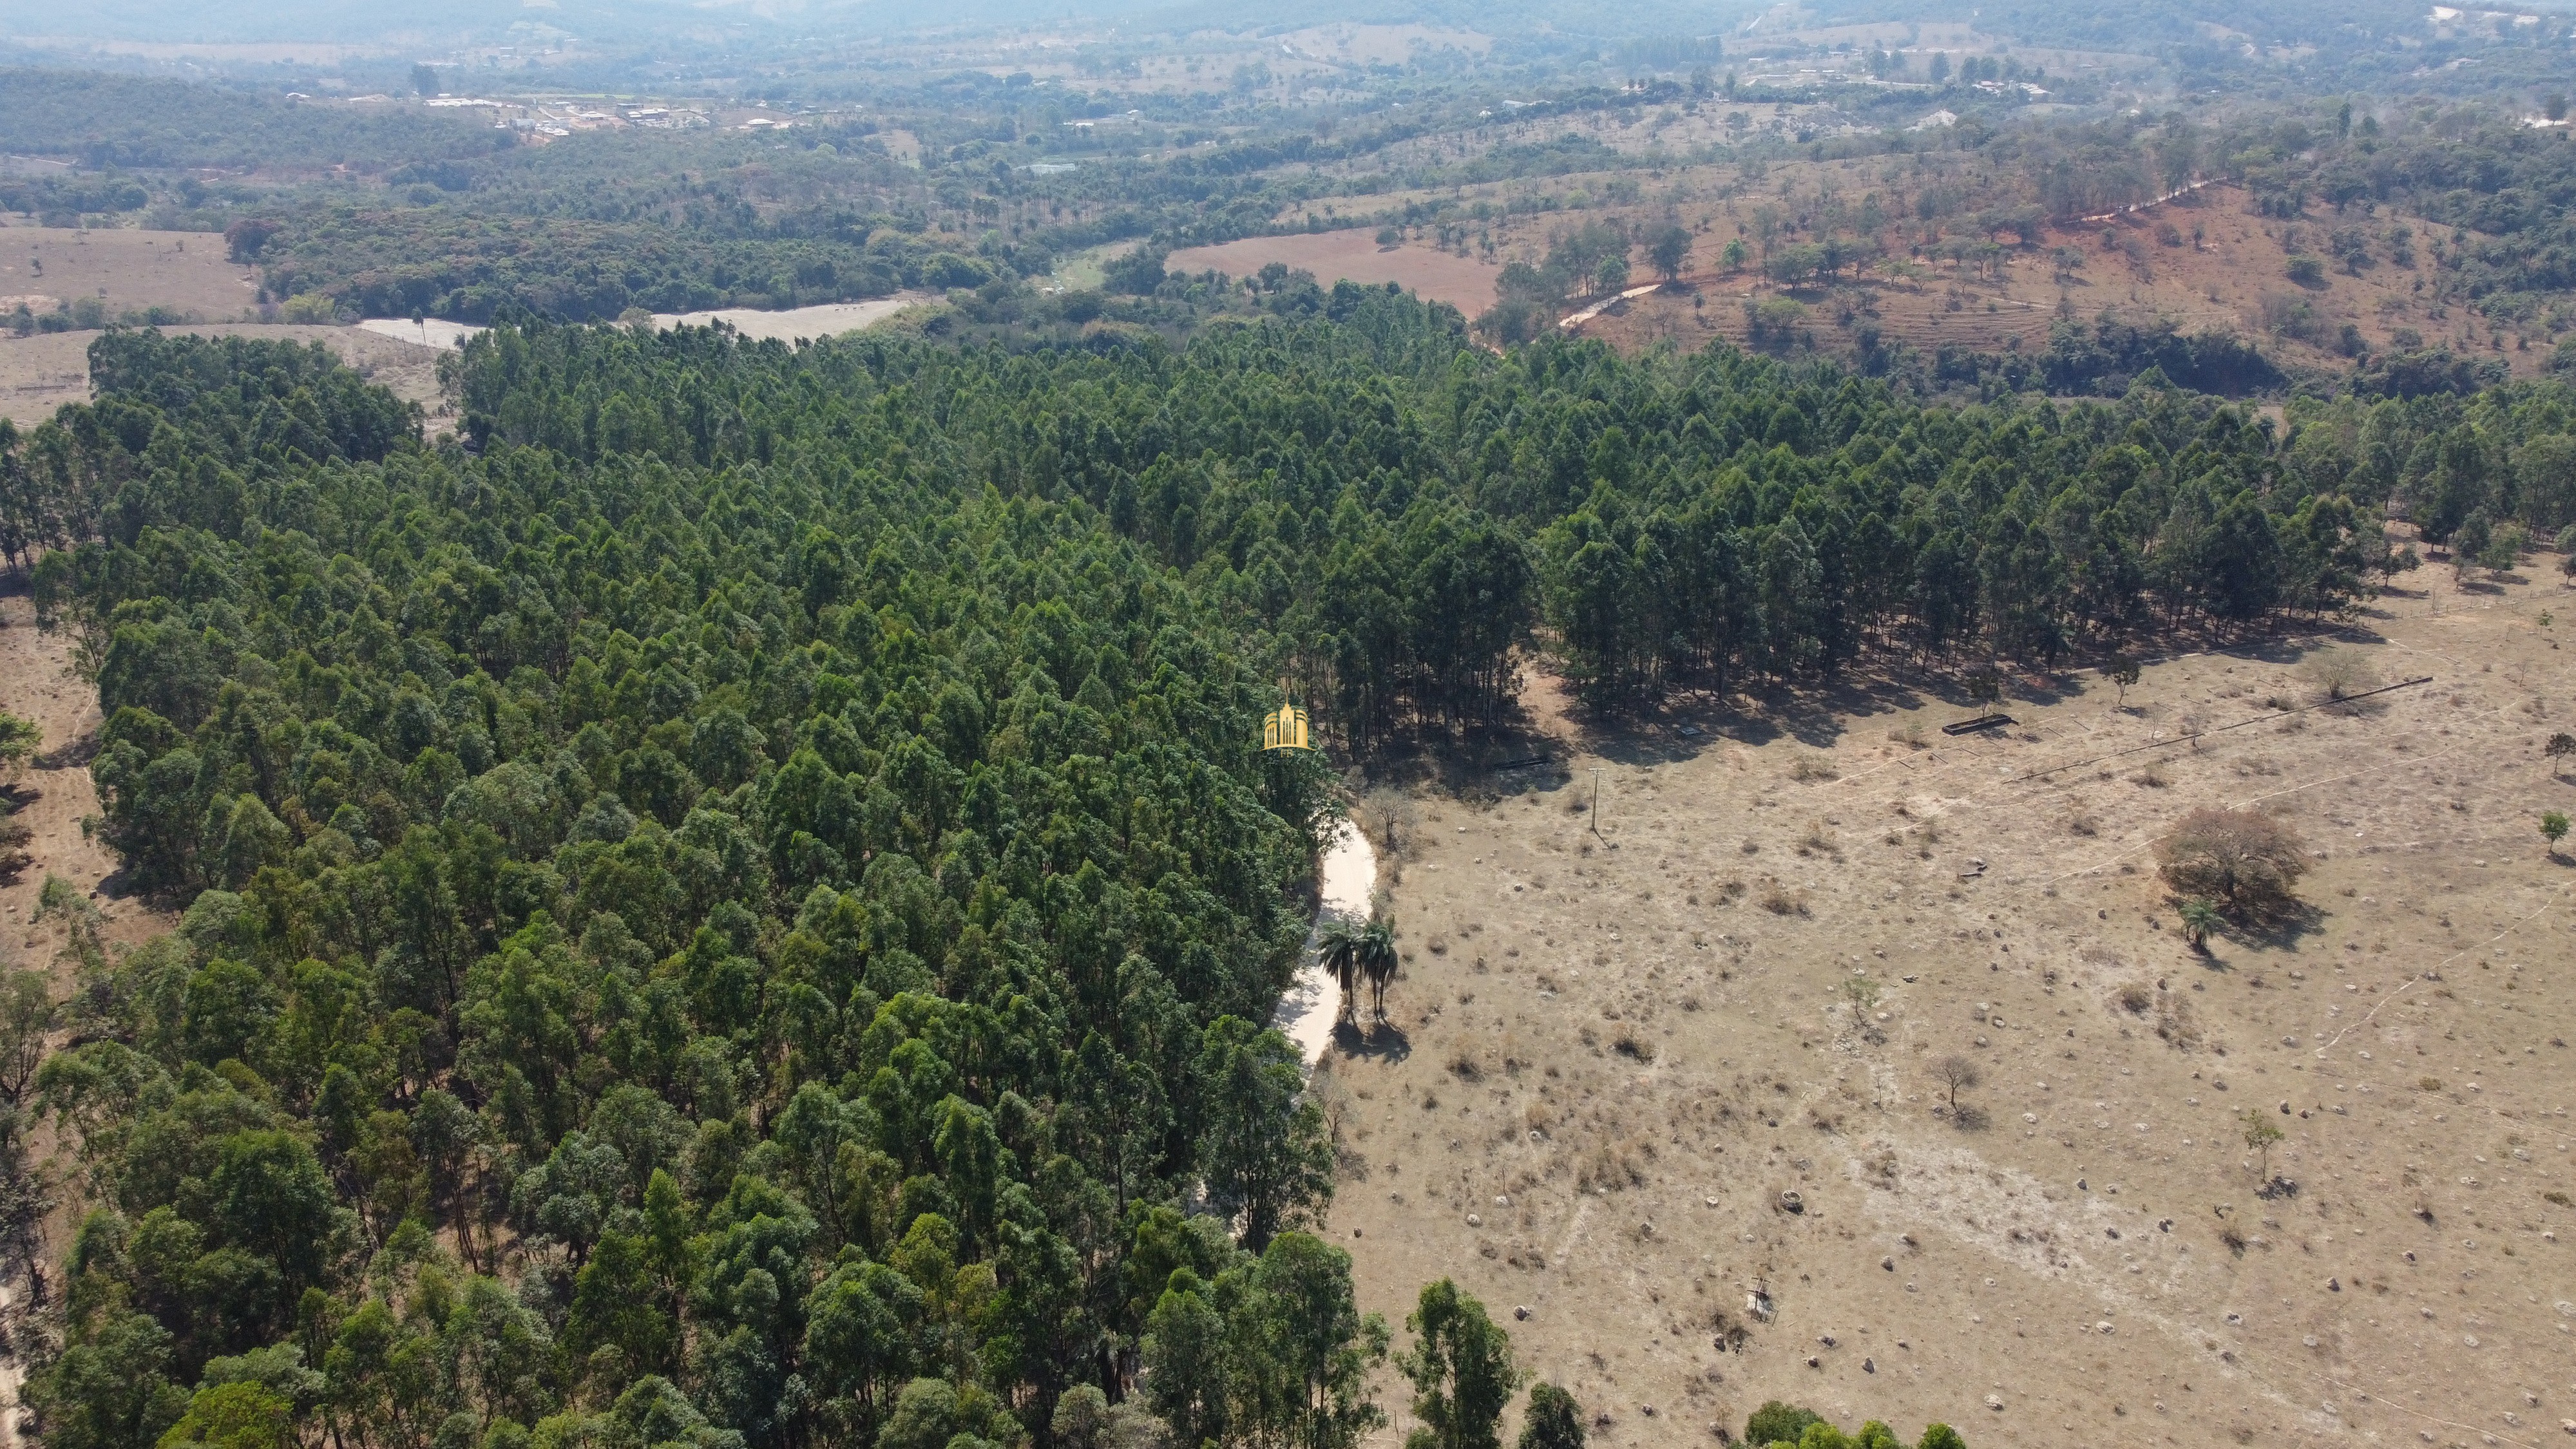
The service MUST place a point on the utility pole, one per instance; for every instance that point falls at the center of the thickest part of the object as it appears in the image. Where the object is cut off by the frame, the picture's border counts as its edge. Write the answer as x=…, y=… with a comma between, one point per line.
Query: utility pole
x=1596, y=803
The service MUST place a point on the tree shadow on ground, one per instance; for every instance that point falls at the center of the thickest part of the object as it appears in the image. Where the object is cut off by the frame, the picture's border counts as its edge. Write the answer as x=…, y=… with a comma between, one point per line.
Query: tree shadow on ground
x=2273, y=926
x=1379, y=1041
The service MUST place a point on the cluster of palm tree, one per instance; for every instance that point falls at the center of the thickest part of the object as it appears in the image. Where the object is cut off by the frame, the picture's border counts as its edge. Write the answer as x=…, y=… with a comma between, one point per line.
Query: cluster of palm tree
x=1353, y=950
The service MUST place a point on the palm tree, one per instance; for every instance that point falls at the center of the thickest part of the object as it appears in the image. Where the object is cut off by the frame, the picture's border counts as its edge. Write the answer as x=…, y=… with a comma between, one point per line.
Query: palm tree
x=1376, y=959
x=2199, y=918
x=1337, y=949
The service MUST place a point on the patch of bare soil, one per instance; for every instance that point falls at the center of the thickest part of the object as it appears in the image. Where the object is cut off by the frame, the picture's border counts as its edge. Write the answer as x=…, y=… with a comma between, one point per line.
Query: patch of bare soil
x=41, y=373
x=38, y=682
x=1671, y=1098
x=1462, y=282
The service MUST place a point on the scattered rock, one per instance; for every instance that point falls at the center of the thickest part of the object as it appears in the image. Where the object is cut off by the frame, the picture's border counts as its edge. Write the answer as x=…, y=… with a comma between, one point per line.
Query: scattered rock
x=1521, y=1312
x=2104, y=1326
x=1869, y=1365
x=1995, y=1402
x=1888, y=1263
x=1791, y=1202
x=1475, y=1221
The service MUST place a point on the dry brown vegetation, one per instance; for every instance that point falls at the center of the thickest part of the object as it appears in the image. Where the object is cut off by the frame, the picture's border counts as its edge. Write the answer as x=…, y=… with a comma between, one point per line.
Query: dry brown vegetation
x=2244, y=860
x=1691, y=1062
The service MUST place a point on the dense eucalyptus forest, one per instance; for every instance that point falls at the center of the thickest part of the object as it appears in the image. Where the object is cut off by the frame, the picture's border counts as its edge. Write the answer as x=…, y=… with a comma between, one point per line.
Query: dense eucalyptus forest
x=735, y=903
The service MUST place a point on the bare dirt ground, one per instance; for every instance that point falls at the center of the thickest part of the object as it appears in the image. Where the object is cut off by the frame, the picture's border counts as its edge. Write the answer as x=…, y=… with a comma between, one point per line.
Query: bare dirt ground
x=41, y=373
x=1614, y=1053
x=37, y=682
x=123, y=268
x=1462, y=282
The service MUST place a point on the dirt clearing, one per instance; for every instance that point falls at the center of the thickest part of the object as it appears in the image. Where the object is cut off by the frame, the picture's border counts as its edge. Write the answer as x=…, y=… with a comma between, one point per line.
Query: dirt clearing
x=1677, y=1088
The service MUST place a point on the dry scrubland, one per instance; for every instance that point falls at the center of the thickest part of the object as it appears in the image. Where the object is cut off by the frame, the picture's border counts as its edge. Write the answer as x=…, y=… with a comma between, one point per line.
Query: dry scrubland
x=1612, y=1055
x=2223, y=282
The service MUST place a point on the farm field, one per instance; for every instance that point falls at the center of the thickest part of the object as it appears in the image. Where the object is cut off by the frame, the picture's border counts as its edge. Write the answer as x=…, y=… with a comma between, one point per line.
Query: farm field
x=1614, y=1054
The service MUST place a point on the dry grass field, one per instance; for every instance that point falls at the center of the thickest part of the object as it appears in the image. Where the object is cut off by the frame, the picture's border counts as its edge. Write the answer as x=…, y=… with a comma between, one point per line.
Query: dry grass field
x=39, y=374
x=1462, y=282
x=125, y=269
x=1669, y=1095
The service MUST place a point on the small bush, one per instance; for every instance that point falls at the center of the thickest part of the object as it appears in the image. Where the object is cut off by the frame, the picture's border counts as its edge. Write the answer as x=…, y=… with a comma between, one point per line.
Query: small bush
x=2340, y=673
x=1780, y=901
x=2135, y=998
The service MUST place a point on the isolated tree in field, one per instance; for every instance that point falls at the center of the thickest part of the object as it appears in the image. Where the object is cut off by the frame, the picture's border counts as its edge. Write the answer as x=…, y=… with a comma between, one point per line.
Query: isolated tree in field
x=2560, y=746
x=2553, y=828
x=2260, y=1134
x=1669, y=252
x=1612, y=275
x=1337, y=949
x=1862, y=993
x=2245, y=861
x=2123, y=672
x=1461, y=1368
x=1986, y=689
x=1955, y=1074
x=2199, y=918
x=1554, y=1420
x=424, y=78
x=1376, y=959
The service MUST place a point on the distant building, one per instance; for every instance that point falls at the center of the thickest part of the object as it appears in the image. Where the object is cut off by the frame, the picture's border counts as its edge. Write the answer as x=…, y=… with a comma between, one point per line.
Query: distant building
x=1936, y=120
